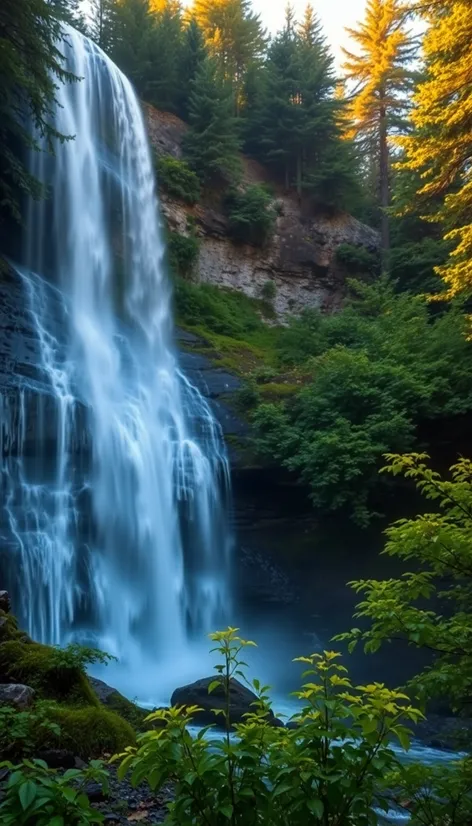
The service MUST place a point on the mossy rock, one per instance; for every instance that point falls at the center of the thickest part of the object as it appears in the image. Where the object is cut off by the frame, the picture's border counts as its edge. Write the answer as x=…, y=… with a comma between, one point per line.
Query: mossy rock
x=37, y=665
x=129, y=711
x=87, y=732
x=9, y=628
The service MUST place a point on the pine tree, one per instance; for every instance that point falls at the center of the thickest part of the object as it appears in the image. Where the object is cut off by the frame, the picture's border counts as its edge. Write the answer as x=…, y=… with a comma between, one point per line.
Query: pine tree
x=279, y=116
x=70, y=11
x=192, y=55
x=101, y=23
x=440, y=147
x=164, y=87
x=132, y=42
x=212, y=144
x=30, y=66
x=297, y=120
x=381, y=77
x=234, y=36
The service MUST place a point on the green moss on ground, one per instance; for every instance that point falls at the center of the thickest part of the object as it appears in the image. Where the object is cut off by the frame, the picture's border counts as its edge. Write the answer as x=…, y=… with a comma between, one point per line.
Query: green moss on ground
x=37, y=665
x=87, y=732
x=275, y=391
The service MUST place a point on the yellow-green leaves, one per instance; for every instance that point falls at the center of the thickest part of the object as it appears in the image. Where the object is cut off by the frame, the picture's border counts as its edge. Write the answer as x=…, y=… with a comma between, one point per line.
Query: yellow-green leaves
x=439, y=147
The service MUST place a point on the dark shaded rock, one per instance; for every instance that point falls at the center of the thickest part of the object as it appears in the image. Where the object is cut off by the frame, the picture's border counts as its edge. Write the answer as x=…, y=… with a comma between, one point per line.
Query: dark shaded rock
x=15, y=694
x=196, y=694
x=5, y=602
x=102, y=689
x=58, y=758
x=95, y=793
x=112, y=699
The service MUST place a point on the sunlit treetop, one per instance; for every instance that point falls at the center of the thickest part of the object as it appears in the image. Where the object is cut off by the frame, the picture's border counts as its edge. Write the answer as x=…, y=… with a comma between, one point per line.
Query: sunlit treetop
x=440, y=147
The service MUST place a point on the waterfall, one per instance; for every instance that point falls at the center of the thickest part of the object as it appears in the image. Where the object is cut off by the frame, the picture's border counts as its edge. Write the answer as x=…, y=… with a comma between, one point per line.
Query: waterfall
x=118, y=523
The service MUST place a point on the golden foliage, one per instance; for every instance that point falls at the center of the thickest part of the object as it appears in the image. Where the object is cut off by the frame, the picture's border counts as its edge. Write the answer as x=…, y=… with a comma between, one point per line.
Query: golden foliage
x=379, y=66
x=440, y=148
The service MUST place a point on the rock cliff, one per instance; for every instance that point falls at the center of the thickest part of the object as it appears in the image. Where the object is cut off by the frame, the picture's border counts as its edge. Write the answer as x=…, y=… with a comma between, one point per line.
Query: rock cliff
x=300, y=258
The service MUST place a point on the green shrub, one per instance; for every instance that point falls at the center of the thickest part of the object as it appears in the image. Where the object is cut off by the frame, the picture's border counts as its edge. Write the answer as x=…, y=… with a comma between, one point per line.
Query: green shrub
x=176, y=177
x=221, y=311
x=358, y=260
x=20, y=731
x=373, y=373
x=268, y=291
x=9, y=628
x=34, y=795
x=264, y=374
x=330, y=768
x=183, y=253
x=88, y=732
x=247, y=397
x=251, y=215
x=54, y=674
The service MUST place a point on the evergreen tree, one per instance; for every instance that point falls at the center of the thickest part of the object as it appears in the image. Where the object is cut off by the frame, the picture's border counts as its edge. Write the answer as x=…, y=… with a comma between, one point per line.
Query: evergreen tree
x=212, y=143
x=192, y=55
x=101, y=24
x=30, y=66
x=132, y=41
x=381, y=77
x=234, y=36
x=70, y=11
x=296, y=115
x=440, y=147
x=279, y=115
x=164, y=88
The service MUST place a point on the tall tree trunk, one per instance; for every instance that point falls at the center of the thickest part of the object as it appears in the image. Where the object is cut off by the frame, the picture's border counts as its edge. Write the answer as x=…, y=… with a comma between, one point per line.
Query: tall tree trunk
x=384, y=187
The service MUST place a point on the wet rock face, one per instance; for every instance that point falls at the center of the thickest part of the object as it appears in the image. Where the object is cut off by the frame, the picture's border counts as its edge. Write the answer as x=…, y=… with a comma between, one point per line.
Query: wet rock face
x=13, y=694
x=300, y=259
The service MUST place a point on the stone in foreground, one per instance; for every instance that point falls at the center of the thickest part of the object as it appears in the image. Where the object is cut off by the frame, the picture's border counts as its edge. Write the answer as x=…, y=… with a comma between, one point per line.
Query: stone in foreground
x=14, y=694
x=196, y=694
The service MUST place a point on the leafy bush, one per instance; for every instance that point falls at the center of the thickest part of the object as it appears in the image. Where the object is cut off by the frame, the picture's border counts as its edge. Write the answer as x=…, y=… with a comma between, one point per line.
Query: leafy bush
x=183, y=253
x=55, y=674
x=330, y=768
x=251, y=214
x=176, y=177
x=440, y=545
x=35, y=795
x=268, y=291
x=358, y=259
x=87, y=731
x=247, y=397
x=219, y=310
x=435, y=795
x=21, y=730
x=378, y=368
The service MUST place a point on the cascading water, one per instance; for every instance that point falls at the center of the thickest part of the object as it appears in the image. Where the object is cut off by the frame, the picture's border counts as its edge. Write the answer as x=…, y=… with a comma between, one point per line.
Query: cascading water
x=119, y=523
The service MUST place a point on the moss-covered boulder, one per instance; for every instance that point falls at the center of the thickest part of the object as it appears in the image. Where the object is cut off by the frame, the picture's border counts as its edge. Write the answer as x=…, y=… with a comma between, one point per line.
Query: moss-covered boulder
x=113, y=700
x=9, y=628
x=40, y=667
x=86, y=732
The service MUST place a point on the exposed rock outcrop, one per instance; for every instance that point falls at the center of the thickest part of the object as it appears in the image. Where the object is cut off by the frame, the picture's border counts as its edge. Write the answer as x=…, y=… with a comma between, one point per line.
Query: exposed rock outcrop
x=15, y=694
x=300, y=258
x=196, y=694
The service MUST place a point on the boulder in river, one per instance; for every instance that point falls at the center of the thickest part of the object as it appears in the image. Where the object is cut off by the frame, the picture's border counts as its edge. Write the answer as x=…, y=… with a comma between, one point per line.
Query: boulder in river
x=15, y=694
x=196, y=694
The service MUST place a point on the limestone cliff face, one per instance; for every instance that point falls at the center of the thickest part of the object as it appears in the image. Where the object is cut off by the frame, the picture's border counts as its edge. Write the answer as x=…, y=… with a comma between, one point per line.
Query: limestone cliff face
x=300, y=258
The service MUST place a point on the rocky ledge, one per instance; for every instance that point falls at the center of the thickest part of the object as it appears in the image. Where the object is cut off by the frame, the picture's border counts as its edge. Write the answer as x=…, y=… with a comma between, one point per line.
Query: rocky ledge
x=300, y=259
